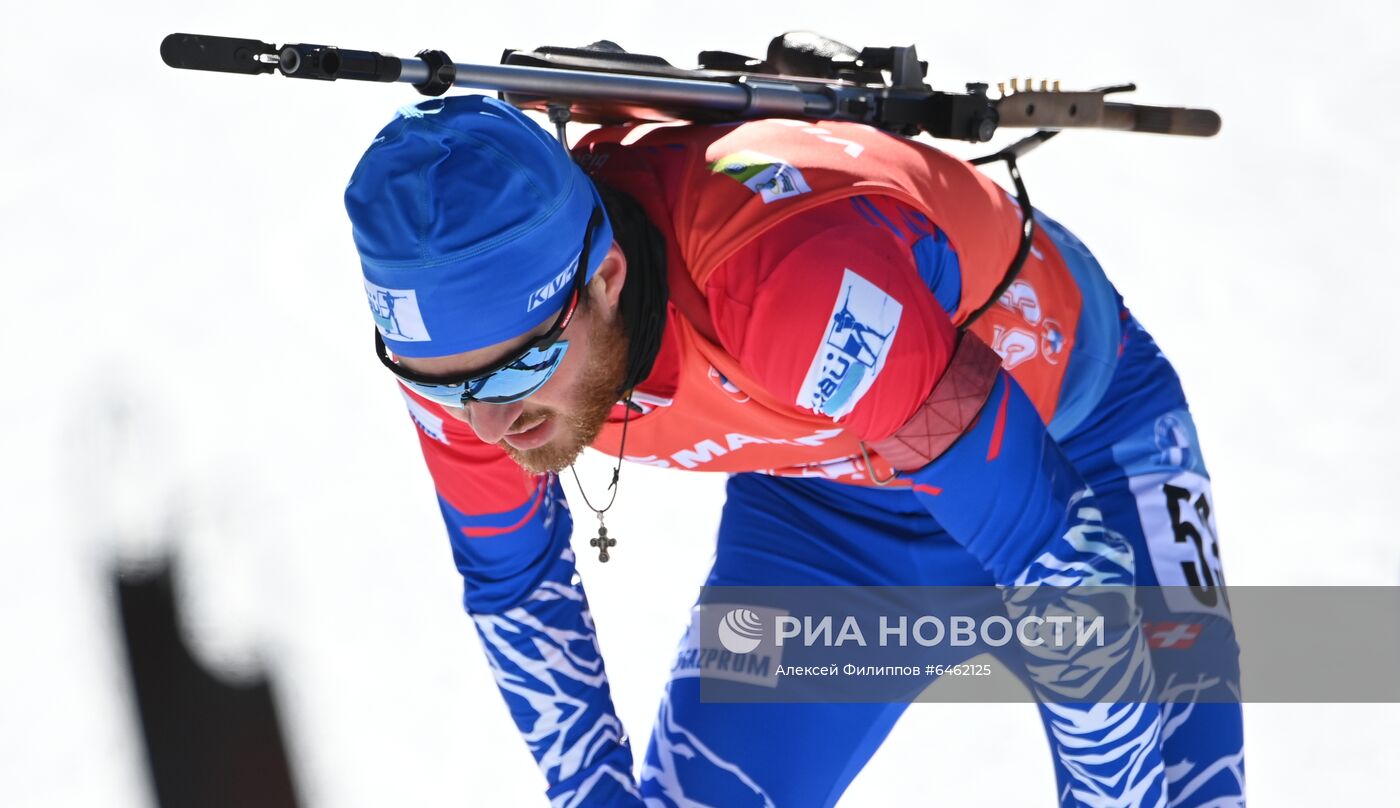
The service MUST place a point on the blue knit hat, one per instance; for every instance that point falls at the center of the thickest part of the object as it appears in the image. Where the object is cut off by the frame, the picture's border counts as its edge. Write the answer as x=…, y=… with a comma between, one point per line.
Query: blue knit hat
x=469, y=219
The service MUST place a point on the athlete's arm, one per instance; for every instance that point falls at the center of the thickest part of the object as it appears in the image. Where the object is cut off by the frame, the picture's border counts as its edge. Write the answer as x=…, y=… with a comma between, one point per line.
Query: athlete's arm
x=509, y=532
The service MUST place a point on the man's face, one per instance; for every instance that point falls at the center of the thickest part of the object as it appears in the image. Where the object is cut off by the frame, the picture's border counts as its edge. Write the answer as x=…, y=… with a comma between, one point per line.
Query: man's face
x=548, y=430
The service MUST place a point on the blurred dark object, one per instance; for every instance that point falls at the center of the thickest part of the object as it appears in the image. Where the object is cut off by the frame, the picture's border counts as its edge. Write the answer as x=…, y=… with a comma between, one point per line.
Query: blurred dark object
x=210, y=744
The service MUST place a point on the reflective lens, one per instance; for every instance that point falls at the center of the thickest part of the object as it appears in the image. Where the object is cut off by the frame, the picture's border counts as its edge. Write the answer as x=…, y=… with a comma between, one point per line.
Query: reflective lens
x=512, y=379
x=513, y=382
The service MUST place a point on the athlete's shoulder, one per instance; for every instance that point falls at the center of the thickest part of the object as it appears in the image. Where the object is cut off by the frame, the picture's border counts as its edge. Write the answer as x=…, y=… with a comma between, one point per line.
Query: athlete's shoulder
x=798, y=266
x=827, y=301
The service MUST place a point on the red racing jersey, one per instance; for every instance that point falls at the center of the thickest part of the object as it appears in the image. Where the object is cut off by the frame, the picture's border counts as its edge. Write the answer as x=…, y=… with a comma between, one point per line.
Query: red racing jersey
x=834, y=263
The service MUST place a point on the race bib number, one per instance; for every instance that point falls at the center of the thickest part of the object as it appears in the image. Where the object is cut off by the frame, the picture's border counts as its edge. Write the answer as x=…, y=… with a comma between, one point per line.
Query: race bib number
x=1178, y=523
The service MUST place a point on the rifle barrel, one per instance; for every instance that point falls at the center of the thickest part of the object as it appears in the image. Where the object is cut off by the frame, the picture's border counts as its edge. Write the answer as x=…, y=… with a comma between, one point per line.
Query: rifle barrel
x=751, y=97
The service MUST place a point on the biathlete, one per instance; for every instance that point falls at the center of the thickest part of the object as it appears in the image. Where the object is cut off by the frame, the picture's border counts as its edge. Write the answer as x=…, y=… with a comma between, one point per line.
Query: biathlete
x=811, y=308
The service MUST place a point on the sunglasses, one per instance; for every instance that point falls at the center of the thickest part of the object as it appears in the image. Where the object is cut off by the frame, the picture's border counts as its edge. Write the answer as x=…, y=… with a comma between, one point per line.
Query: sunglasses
x=514, y=378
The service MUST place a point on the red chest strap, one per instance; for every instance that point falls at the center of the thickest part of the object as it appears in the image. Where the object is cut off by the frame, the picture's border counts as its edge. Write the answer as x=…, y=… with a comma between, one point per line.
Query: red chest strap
x=949, y=410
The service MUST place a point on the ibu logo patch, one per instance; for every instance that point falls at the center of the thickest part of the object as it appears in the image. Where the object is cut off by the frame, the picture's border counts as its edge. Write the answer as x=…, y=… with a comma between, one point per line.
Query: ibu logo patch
x=769, y=177
x=853, y=351
x=396, y=313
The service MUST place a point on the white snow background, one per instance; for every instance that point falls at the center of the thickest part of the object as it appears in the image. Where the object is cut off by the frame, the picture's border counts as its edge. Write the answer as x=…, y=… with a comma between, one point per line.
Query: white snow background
x=189, y=368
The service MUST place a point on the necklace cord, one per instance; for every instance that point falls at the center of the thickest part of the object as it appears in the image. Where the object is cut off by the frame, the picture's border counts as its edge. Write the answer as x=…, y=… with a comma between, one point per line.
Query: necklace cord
x=617, y=470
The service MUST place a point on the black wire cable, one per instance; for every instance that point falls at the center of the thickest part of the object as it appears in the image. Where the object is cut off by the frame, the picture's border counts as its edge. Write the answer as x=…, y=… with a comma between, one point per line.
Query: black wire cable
x=1023, y=199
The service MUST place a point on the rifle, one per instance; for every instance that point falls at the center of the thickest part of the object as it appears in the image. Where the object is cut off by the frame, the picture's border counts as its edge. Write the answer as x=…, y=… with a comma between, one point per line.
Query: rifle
x=804, y=76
